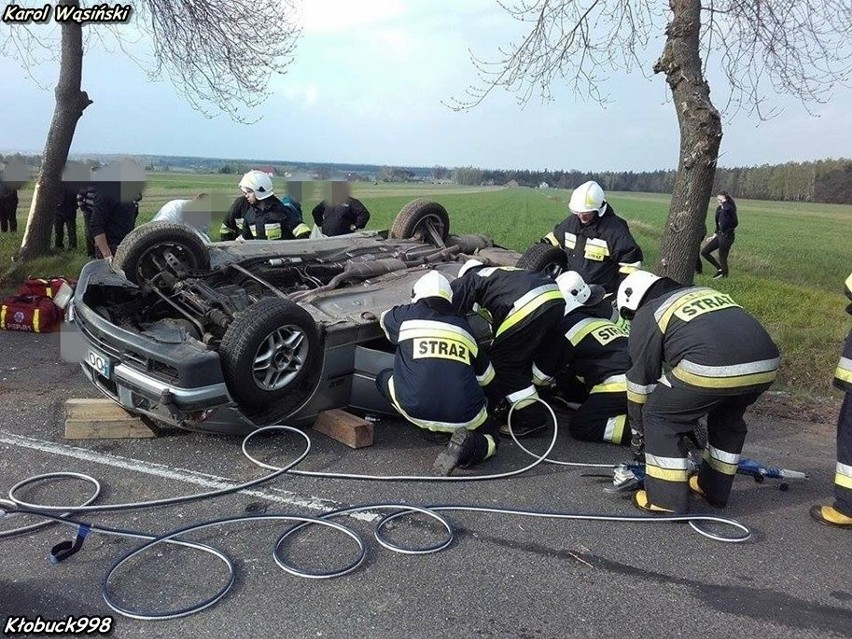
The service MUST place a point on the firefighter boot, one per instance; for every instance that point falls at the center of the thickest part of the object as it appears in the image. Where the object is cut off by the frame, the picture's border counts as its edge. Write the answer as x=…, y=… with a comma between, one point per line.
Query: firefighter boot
x=457, y=453
x=830, y=516
x=641, y=501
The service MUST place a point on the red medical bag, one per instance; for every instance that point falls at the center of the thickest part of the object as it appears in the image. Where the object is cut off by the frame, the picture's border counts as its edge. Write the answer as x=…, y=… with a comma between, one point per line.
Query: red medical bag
x=31, y=313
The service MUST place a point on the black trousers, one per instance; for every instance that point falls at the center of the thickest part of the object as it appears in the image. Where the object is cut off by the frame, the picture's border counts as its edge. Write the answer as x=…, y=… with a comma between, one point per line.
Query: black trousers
x=8, y=215
x=843, y=480
x=722, y=242
x=669, y=415
x=60, y=225
x=602, y=418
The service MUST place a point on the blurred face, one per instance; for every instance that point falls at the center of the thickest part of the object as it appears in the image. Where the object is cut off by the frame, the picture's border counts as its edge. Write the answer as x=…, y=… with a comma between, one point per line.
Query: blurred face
x=249, y=195
x=586, y=216
x=720, y=198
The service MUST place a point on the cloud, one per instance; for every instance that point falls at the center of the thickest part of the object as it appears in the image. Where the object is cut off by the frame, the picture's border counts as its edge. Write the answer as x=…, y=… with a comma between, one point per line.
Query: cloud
x=305, y=95
x=338, y=16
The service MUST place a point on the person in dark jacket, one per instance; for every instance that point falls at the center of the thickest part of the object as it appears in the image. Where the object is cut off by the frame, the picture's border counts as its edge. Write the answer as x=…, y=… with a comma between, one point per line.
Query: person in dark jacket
x=8, y=206
x=593, y=351
x=113, y=216
x=523, y=308
x=342, y=213
x=267, y=217
x=723, y=238
x=694, y=352
x=232, y=225
x=598, y=243
x=66, y=217
x=439, y=372
x=840, y=513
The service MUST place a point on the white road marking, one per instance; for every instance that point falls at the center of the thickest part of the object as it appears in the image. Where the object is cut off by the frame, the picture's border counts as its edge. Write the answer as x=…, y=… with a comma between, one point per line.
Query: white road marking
x=212, y=482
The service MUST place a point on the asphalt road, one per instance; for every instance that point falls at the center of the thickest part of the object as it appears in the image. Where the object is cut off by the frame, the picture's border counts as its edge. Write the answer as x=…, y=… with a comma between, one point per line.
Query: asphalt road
x=502, y=576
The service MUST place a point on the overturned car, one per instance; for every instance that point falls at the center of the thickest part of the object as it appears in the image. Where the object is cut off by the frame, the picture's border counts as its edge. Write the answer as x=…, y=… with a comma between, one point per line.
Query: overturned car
x=228, y=336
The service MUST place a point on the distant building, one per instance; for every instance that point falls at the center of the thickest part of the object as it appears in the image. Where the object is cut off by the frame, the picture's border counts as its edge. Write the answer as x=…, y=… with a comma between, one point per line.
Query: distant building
x=512, y=184
x=544, y=185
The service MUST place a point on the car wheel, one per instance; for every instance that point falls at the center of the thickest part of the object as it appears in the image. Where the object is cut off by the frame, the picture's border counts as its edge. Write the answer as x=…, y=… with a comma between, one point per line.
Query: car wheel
x=271, y=359
x=424, y=220
x=544, y=258
x=155, y=253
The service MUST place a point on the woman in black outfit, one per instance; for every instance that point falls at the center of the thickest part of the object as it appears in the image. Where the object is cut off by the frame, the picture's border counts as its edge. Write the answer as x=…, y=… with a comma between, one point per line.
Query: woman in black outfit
x=723, y=238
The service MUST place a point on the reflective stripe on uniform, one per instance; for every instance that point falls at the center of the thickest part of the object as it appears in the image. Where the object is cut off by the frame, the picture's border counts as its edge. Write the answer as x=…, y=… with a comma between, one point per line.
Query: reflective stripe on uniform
x=582, y=328
x=273, y=231
x=705, y=299
x=487, y=377
x=570, y=240
x=596, y=249
x=628, y=267
x=412, y=329
x=446, y=427
x=528, y=304
x=382, y=324
x=844, y=370
x=523, y=398
x=732, y=376
x=302, y=229
x=36, y=320
x=721, y=461
x=490, y=270
x=3, y=316
x=844, y=475
x=638, y=393
x=540, y=378
x=612, y=384
x=614, y=430
x=551, y=238
x=667, y=468
x=492, y=446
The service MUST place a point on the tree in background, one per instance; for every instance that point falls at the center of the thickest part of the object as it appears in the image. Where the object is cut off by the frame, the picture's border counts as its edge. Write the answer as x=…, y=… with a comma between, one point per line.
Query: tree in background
x=217, y=53
x=799, y=47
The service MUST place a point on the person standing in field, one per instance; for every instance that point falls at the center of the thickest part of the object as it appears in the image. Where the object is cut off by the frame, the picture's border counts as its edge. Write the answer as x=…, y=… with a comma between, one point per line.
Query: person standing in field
x=267, y=217
x=194, y=213
x=341, y=213
x=598, y=243
x=8, y=206
x=840, y=514
x=723, y=238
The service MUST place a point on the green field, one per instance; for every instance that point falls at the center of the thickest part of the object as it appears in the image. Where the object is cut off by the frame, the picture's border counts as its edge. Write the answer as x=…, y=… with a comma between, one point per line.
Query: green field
x=787, y=265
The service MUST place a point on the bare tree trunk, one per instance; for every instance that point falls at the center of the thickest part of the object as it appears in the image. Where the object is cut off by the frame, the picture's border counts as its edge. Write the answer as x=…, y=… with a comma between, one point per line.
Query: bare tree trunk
x=70, y=103
x=700, y=137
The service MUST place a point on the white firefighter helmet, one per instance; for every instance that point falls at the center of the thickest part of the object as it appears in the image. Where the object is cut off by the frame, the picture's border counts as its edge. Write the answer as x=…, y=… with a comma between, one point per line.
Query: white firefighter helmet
x=469, y=265
x=587, y=198
x=576, y=292
x=631, y=291
x=258, y=182
x=433, y=284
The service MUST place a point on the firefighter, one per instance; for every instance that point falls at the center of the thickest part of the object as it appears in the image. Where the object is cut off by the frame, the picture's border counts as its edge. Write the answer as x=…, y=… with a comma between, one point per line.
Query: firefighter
x=694, y=351
x=524, y=308
x=232, y=225
x=592, y=350
x=597, y=242
x=267, y=217
x=438, y=374
x=840, y=514
x=341, y=213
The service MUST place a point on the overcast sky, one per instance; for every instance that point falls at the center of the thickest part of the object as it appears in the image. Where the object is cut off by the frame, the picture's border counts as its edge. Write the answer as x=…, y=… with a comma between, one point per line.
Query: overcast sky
x=367, y=86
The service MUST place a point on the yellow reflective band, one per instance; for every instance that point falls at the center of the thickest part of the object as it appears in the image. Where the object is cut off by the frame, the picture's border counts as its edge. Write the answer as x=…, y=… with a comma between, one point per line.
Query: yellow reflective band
x=523, y=394
x=490, y=270
x=273, y=231
x=440, y=348
x=844, y=370
x=737, y=381
x=725, y=466
x=540, y=378
x=224, y=228
x=492, y=446
x=3, y=316
x=528, y=309
x=444, y=427
x=596, y=250
x=844, y=475
x=602, y=330
x=614, y=430
x=636, y=398
x=607, y=386
x=666, y=474
x=629, y=267
x=487, y=377
x=550, y=237
x=694, y=303
x=302, y=229
x=430, y=329
x=570, y=240
x=35, y=320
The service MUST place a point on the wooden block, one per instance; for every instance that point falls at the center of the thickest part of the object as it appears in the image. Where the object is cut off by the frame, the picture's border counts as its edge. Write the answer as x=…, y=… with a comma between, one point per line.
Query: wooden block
x=345, y=428
x=102, y=419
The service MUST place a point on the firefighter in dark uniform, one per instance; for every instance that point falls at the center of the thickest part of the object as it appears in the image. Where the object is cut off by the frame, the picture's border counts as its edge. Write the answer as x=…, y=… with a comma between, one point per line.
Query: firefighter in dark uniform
x=342, y=213
x=694, y=351
x=524, y=308
x=232, y=225
x=267, y=217
x=598, y=243
x=840, y=514
x=592, y=350
x=438, y=374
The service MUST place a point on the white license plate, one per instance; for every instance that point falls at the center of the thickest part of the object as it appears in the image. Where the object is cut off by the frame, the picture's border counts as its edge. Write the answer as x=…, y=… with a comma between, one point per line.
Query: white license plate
x=100, y=363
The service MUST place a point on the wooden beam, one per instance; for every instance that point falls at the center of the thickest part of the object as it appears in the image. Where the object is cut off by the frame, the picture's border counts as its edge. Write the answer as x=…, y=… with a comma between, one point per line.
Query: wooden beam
x=345, y=428
x=102, y=419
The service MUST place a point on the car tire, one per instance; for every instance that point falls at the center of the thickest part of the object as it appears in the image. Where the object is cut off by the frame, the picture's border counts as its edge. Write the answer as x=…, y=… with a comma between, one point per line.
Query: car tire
x=271, y=357
x=150, y=250
x=422, y=219
x=544, y=258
